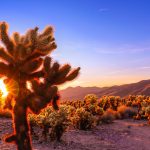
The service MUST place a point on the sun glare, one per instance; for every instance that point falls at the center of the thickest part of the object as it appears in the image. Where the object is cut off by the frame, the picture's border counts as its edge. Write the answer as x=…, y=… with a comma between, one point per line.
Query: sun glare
x=3, y=88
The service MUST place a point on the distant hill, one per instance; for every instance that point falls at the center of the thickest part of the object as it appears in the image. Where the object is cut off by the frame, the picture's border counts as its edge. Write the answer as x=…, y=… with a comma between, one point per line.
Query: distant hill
x=142, y=87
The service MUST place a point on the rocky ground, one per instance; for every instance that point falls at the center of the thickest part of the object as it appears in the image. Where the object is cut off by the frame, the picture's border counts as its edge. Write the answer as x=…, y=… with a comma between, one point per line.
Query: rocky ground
x=120, y=135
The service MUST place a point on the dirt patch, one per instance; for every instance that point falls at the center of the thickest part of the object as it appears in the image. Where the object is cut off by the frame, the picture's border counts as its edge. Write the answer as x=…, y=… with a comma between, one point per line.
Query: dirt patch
x=120, y=135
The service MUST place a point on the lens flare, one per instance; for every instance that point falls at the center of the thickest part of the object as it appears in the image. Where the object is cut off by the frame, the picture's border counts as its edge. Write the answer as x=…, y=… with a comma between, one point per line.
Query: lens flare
x=3, y=88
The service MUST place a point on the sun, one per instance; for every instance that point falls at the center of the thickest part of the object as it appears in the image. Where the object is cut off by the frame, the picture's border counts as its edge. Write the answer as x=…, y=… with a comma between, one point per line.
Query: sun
x=3, y=88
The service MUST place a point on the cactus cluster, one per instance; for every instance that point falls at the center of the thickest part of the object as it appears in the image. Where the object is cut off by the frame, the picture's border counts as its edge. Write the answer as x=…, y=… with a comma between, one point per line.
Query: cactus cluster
x=85, y=114
x=53, y=123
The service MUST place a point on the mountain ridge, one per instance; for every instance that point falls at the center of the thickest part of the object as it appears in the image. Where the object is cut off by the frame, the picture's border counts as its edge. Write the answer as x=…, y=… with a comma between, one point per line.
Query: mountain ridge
x=141, y=87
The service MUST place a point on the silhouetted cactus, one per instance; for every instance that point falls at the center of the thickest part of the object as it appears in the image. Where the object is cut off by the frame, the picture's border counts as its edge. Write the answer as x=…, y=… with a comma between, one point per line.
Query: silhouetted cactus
x=25, y=58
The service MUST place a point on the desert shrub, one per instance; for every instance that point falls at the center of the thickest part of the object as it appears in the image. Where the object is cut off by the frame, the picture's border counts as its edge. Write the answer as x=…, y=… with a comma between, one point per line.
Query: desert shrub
x=108, y=116
x=83, y=120
x=126, y=112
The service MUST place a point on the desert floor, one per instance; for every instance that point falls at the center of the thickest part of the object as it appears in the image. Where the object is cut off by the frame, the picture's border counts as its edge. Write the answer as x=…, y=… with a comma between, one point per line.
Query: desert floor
x=121, y=135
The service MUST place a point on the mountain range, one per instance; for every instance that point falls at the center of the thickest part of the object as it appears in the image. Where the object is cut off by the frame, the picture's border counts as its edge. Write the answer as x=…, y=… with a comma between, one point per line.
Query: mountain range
x=139, y=88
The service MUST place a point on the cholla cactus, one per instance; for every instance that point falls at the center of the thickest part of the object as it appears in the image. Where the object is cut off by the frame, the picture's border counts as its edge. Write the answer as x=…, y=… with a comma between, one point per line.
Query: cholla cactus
x=114, y=102
x=25, y=58
x=147, y=111
x=90, y=98
x=83, y=119
x=32, y=118
x=1, y=102
x=59, y=121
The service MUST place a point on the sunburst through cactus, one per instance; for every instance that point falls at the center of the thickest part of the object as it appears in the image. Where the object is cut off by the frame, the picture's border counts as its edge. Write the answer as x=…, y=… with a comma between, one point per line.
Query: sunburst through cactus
x=3, y=88
x=26, y=58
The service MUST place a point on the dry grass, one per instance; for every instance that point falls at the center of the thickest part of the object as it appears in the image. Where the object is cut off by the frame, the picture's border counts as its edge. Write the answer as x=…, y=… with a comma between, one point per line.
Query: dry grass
x=108, y=116
x=126, y=112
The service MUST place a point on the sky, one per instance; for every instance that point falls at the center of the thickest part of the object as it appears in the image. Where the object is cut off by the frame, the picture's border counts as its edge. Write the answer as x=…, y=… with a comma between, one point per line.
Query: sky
x=108, y=39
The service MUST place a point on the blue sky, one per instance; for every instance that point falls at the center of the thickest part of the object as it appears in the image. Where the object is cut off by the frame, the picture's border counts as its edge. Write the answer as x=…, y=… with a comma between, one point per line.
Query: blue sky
x=109, y=39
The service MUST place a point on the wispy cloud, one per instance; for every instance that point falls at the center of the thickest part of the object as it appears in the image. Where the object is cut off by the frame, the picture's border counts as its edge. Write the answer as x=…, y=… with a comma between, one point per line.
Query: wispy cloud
x=122, y=50
x=145, y=67
x=126, y=70
x=101, y=48
x=103, y=10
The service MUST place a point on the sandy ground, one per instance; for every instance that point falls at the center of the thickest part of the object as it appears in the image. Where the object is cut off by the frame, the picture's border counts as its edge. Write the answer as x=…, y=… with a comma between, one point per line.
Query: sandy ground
x=120, y=135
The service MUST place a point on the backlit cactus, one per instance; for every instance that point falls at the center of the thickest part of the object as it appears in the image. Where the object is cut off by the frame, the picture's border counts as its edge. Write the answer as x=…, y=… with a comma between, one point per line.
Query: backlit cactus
x=26, y=58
